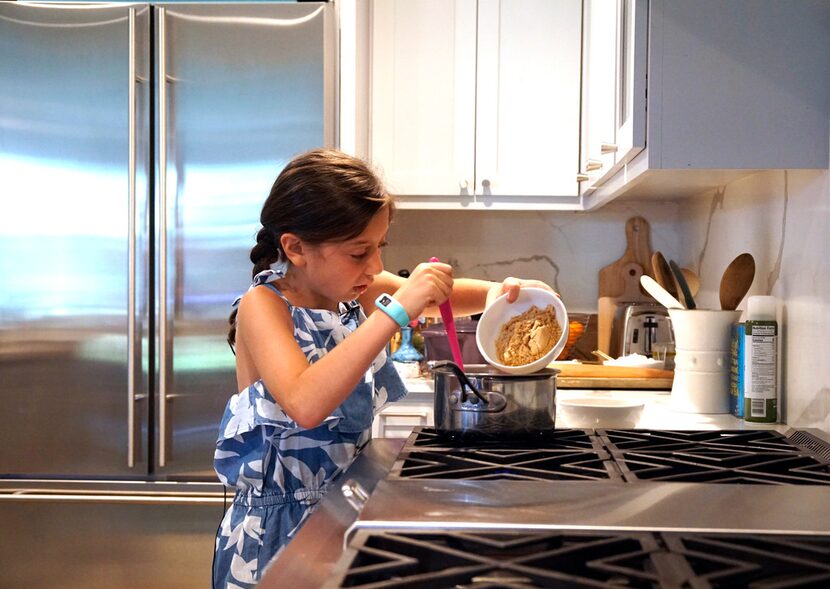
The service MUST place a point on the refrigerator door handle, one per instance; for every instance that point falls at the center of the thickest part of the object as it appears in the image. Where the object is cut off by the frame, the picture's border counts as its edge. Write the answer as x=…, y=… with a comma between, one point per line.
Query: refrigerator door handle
x=132, y=348
x=163, y=453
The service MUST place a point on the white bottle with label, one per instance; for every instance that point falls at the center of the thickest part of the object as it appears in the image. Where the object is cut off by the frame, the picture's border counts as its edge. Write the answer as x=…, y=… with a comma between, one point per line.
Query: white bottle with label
x=761, y=360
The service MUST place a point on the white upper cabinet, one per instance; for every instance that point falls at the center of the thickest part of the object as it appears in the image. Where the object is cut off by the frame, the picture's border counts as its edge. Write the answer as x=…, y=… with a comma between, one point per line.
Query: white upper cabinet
x=614, y=89
x=732, y=88
x=476, y=103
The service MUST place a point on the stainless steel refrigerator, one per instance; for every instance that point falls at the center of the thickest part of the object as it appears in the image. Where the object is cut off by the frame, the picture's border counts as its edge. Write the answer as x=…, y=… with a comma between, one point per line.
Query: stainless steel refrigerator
x=137, y=144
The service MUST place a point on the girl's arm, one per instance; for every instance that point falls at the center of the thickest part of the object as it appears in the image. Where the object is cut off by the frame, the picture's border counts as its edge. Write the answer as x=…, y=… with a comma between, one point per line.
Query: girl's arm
x=309, y=393
x=469, y=295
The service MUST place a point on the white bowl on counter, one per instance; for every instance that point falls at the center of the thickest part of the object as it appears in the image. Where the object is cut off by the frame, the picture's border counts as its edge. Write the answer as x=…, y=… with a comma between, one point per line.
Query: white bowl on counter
x=597, y=412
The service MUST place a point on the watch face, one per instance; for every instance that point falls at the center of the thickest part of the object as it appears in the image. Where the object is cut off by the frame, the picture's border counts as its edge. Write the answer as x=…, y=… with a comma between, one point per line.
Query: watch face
x=385, y=300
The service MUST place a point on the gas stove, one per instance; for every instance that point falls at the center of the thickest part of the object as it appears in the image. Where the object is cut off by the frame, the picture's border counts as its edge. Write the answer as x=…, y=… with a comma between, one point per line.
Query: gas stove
x=577, y=508
x=712, y=456
x=584, y=559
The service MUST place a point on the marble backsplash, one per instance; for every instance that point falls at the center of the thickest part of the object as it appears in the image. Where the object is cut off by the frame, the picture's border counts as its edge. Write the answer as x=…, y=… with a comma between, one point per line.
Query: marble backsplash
x=782, y=218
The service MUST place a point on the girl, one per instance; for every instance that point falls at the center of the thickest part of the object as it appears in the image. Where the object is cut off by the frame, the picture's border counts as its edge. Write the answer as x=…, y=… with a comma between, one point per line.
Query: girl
x=310, y=364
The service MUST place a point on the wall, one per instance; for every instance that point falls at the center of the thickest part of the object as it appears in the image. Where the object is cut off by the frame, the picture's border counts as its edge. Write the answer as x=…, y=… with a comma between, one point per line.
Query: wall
x=783, y=219
x=564, y=249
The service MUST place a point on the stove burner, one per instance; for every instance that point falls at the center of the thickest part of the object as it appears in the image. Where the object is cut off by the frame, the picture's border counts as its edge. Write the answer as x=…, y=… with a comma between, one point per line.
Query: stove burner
x=559, y=439
x=725, y=456
x=492, y=464
x=731, y=441
x=611, y=559
x=712, y=456
x=557, y=455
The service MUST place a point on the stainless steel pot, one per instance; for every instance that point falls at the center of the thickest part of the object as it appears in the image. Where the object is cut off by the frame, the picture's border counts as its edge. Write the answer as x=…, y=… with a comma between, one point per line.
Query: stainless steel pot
x=485, y=402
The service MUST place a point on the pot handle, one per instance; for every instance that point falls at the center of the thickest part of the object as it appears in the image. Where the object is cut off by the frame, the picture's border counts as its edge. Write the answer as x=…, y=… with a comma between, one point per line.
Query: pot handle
x=462, y=378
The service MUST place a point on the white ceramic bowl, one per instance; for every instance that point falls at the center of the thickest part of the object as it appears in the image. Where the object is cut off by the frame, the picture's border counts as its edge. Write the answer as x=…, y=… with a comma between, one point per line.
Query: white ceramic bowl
x=500, y=312
x=599, y=412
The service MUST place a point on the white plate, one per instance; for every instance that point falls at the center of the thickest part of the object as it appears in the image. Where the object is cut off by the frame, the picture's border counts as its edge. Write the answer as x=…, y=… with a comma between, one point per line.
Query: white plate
x=600, y=412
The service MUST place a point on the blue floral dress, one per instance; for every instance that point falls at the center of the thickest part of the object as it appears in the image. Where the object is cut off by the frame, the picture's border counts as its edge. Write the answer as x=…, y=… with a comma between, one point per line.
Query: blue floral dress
x=281, y=470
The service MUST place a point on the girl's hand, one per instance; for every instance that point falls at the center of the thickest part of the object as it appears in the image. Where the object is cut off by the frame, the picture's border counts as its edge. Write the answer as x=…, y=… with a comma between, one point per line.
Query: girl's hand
x=511, y=286
x=429, y=284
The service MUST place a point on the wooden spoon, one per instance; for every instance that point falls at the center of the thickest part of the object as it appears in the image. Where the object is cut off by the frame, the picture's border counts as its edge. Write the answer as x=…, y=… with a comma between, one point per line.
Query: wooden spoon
x=682, y=286
x=662, y=273
x=736, y=280
x=692, y=279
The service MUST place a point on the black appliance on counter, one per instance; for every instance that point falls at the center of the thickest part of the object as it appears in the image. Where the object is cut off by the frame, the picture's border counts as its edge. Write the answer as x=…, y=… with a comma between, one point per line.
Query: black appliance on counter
x=583, y=508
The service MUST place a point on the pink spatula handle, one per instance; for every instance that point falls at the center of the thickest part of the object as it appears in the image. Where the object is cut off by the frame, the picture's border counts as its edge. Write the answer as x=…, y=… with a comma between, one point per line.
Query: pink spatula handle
x=449, y=325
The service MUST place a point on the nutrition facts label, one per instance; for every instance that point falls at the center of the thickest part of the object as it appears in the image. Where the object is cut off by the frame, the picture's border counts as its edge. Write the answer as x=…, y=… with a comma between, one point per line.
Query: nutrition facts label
x=760, y=361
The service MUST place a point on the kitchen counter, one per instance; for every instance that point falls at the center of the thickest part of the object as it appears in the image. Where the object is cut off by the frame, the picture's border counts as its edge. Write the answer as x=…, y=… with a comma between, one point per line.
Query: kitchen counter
x=657, y=412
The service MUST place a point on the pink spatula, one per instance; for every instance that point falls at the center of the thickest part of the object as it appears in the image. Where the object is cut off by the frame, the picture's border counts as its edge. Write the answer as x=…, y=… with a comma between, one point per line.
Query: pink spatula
x=449, y=325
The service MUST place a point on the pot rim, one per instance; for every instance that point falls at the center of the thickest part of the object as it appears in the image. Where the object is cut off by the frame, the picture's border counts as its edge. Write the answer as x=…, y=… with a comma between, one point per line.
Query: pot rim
x=486, y=370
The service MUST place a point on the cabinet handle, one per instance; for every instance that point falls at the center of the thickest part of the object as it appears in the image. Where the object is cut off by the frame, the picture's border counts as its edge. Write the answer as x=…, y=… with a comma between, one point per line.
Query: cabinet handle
x=607, y=148
x=582, y=177
x=592, y=165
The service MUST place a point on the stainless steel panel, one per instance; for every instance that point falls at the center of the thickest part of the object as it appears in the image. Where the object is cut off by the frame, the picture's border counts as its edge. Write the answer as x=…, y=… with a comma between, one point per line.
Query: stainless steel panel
x=125, y=535
x=310, y=558
x=247, y=88
x=65, y=241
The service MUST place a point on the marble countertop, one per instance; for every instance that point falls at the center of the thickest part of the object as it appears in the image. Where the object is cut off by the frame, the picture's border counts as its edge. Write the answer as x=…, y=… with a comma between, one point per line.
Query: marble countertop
x=656, y=411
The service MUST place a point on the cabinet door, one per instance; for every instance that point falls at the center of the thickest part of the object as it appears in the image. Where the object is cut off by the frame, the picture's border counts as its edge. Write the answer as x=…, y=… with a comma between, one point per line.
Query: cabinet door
x=599, y=89
x=527, y=98
x=631, y=86
x=423, y=96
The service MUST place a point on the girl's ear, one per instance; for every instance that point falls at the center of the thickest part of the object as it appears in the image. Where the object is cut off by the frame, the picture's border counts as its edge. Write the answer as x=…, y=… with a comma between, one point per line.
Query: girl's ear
x=293, y=248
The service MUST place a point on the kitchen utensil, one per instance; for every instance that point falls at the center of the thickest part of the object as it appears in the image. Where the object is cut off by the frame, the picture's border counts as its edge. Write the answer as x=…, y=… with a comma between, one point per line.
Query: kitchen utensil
x=485, y=402
x=449, y=323
x=602, y=355
x=662, y=273
x=692, y=279
x=682, y=285
x=736, y=280
x=614, y=280
x=500, y=312
x=659, y=293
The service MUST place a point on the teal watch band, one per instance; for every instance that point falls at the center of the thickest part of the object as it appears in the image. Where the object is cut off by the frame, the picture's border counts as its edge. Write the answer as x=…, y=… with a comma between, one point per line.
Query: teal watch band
x=393, y=308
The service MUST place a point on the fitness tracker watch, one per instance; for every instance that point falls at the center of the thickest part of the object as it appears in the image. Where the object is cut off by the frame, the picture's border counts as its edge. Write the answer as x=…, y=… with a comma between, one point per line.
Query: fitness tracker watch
x=393, y=308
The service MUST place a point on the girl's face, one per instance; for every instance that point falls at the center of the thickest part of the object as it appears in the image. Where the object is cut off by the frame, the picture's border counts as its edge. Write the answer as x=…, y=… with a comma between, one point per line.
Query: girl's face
x=342, y=271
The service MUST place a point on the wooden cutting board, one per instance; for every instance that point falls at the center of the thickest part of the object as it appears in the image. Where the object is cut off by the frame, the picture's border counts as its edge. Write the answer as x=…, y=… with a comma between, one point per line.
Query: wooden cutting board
x=598, y=376
x=619, y=281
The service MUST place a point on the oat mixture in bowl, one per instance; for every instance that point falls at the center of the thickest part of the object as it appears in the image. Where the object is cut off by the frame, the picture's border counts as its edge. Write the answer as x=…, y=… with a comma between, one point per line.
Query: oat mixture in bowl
x=526, y=335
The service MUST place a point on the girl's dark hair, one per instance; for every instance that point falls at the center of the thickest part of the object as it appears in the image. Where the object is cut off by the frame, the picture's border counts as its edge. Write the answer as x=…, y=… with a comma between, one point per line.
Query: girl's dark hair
x=322, y=195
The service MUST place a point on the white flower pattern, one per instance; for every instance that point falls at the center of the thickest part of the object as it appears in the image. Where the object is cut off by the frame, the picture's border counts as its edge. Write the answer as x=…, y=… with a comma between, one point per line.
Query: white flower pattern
x=279, y=469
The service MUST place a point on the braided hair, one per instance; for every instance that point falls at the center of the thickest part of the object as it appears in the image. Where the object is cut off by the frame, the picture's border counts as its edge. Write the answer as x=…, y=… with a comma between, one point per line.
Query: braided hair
x=322, y=195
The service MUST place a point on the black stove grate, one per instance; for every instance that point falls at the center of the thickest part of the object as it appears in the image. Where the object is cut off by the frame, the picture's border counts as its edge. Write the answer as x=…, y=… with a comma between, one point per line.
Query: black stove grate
x=733, y=441
x=528, y=465
x=571, y=455
x=719, y=456
x=566, y=558
x=558, y=439
x=711, y=456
